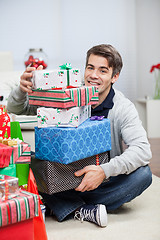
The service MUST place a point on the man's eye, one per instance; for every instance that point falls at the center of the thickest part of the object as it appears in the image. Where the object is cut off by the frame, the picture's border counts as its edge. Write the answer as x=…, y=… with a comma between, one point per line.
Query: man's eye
x=103, y=71
x=90, y=68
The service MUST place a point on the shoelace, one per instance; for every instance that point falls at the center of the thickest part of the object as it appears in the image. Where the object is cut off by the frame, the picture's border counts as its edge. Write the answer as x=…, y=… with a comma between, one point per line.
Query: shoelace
x=85, y=214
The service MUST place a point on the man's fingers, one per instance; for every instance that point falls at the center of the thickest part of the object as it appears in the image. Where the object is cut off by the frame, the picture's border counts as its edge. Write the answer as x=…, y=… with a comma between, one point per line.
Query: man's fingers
x=26, y=75
x=79, y=172
x=26, y=89
x=81, y=187
x=30, y=69
x=40, y=67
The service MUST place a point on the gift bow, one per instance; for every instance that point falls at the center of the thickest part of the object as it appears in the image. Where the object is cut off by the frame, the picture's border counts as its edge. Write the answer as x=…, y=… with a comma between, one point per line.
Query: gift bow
x=99, y=118
x=66, y=66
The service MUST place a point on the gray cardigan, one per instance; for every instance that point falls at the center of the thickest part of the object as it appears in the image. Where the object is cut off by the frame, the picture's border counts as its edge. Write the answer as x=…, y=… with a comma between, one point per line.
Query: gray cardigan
x=125, y=126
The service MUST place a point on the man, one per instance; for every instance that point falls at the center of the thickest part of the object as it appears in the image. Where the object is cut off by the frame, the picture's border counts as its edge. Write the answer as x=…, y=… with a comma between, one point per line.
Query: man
x=127, y=171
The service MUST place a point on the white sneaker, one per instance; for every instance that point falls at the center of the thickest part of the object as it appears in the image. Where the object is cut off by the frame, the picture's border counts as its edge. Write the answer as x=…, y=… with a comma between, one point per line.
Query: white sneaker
x=93, y=213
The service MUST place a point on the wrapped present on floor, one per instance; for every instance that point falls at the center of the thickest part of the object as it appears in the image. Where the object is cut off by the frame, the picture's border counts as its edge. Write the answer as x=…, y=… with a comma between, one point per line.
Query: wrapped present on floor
x=70, y=117
x=66, y=145
x=65, y=98
x=8, y=187
x=21, y=230
x=5, y=131
x=57, y=78
x=17, y=209
x=5, y=155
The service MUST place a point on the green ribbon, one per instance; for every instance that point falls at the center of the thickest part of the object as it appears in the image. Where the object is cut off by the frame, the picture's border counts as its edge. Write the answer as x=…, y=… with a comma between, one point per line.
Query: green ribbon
x=67, y=67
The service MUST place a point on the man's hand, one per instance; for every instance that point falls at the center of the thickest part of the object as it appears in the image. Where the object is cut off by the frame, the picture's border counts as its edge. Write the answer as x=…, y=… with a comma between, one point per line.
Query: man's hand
x=93, y=177
x=25, y=81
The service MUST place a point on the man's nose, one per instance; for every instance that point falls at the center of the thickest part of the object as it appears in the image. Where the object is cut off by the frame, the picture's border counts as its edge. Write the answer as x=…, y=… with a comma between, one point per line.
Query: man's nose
x=94, y=74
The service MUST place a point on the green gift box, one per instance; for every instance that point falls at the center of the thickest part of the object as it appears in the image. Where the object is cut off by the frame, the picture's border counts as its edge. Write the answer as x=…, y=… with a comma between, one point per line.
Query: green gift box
x=20, y=171
x=9, y=171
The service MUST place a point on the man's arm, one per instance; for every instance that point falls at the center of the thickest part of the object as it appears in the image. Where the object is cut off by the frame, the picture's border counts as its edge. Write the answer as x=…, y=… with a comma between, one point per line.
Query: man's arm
x=18, y=102
x=126, y=126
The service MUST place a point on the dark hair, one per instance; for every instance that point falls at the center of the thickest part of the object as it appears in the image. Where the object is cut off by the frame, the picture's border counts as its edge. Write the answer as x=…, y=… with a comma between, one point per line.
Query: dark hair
x=110, y=53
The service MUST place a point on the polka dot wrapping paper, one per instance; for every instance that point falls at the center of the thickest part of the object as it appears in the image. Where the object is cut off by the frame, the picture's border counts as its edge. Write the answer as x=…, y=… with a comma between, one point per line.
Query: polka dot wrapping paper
x=52, y=177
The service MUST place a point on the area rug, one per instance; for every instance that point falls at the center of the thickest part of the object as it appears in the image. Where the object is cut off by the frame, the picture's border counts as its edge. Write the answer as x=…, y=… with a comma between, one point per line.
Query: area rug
x=136, y=220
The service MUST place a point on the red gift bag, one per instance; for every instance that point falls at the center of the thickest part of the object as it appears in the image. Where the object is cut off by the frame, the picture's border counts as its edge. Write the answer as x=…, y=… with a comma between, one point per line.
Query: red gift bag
x=39, y=226
x=5, y=131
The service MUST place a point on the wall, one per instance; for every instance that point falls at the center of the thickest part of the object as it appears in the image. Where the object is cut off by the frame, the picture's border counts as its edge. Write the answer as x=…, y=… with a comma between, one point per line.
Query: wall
x=148, y=44
x=66, y=29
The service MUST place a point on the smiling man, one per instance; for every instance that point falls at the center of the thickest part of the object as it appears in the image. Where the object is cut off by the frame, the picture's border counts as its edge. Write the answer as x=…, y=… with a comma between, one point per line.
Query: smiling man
x=127, y=172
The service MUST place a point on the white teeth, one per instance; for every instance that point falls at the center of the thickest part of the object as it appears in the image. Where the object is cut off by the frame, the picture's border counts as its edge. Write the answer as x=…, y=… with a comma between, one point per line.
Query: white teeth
x=93, y=83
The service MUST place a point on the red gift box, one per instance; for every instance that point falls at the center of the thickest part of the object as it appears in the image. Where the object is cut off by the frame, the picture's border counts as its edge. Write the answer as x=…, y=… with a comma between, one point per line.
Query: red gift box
x=5, y=155
x=17, y=209
x=21, y=230
x=65, y=98
x=21, y=153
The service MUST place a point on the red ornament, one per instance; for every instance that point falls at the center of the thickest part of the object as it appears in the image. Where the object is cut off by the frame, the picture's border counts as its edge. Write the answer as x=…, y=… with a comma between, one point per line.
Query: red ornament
x=35, y=62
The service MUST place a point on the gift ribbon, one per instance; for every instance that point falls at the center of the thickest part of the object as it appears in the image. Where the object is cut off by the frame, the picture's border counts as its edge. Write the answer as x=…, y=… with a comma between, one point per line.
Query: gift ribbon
x=99, y=118
x=68, y=87
x=97, y=160
x=67, y=67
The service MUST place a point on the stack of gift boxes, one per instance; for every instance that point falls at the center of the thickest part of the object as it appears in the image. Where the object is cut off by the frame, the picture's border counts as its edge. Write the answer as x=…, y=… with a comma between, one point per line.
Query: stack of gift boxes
x=65, y=132
x=17, y=210
x=17, y=207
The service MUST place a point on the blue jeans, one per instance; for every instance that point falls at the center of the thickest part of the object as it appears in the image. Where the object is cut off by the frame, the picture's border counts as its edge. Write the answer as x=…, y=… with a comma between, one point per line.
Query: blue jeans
x=117, y=191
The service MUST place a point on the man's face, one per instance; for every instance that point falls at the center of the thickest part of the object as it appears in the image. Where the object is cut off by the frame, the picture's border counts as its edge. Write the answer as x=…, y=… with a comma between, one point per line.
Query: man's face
x=98, y=73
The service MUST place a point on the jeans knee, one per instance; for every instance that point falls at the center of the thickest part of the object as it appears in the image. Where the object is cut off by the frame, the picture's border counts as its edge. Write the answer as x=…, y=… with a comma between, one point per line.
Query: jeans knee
x=145, y=175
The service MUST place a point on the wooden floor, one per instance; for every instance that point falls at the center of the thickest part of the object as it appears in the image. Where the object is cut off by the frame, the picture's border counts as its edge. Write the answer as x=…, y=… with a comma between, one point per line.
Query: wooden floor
x=155, y=161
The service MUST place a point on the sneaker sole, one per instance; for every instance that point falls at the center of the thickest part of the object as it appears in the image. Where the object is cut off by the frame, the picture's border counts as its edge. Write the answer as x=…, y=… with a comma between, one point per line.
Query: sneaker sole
x=103, y=219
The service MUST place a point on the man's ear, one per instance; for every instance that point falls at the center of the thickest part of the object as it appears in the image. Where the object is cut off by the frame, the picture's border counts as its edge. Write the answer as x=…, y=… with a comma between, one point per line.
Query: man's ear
x=115, y=78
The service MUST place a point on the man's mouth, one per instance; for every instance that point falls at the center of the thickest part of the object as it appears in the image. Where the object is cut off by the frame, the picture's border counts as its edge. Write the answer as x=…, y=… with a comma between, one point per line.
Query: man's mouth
x=93, y=83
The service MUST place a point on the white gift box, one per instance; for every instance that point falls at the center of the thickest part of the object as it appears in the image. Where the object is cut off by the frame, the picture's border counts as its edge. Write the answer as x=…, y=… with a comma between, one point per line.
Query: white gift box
x=72, y=117
x=56, y=78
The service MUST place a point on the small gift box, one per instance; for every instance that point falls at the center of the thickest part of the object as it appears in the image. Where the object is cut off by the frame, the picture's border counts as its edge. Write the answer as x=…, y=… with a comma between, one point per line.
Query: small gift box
x=57, y=78
x=65, y=98
x=8, y=187
x=70, y=117
x=17, y=209
x=21, y=153
x=66, y=145
x=5, y=155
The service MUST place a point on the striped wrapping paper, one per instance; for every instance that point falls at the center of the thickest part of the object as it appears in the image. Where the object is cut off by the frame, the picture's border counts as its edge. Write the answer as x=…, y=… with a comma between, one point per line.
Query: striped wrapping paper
x=65, y=98
x=20, y=208
x=21, y=153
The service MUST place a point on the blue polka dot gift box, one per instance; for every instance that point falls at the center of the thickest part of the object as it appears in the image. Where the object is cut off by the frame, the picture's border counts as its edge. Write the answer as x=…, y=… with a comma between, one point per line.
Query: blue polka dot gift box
x=66, y=145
